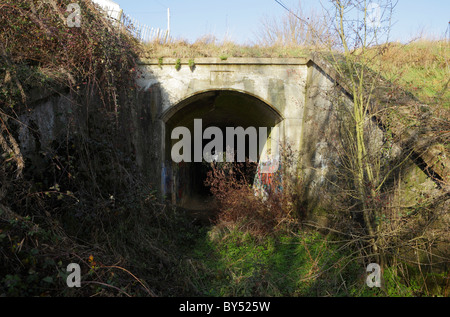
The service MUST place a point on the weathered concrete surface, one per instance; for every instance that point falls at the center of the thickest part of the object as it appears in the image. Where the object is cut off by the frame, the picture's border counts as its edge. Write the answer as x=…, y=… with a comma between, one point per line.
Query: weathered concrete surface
x=247, y=91
x=45, y=123
x=278, y=82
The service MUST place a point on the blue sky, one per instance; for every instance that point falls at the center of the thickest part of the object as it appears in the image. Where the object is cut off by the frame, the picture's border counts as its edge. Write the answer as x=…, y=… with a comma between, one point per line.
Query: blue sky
x=241, y=19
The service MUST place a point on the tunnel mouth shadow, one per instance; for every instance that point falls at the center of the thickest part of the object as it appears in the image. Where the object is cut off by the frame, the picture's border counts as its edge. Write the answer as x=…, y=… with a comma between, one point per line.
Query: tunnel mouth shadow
x=184, y=182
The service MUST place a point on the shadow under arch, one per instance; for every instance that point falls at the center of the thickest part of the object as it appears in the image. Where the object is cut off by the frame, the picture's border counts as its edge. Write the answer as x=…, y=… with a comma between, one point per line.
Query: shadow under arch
x=186, y=100
x=222, y=108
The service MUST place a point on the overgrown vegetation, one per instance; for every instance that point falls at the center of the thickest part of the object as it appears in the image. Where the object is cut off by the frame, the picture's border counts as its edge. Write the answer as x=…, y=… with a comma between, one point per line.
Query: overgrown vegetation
x=82, y=200
x=371, y=205
x=270, y=247
x=59, y=206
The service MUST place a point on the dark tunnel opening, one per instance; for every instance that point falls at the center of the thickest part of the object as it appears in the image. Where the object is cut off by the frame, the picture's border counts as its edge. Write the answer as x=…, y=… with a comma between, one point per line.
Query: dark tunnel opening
x=199, y=170
x=184, y=185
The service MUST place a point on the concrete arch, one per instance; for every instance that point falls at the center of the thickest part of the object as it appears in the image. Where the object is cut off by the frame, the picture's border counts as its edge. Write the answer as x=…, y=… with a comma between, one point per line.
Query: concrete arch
x=186, y=100
x=247, y=92
x=222, y=108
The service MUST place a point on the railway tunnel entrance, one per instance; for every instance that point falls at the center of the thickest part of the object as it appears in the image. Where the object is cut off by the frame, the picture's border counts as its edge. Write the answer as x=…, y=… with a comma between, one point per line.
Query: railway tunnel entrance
x=184, y=181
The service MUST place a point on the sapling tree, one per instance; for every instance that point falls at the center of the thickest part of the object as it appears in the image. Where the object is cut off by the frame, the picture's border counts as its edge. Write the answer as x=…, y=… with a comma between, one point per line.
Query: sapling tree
x=357, y=31
x=361, y=25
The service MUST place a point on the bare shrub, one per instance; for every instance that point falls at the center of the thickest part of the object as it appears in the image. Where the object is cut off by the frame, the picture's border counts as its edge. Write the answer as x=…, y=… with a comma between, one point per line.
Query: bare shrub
x=258, y=209
x=296, y=28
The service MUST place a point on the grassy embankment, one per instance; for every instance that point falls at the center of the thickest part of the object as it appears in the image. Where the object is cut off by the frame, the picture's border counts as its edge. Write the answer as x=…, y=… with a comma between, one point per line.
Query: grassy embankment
x=421, y=67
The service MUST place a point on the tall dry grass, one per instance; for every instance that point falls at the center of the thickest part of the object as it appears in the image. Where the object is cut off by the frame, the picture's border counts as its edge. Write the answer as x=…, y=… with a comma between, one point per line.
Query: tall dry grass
x=209, y=46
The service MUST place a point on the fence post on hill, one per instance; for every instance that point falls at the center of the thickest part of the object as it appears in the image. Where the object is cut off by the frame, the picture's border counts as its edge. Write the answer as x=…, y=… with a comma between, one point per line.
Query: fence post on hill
x=168, y=22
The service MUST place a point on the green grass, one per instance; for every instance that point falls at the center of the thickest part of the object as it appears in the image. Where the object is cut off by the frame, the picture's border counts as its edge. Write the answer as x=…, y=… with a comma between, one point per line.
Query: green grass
x=233, y=263
x=291, y=264
x=421, y=67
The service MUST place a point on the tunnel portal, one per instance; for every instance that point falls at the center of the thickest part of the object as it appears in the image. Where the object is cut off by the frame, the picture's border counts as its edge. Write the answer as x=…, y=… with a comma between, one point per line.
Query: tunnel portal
x=184, y=181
